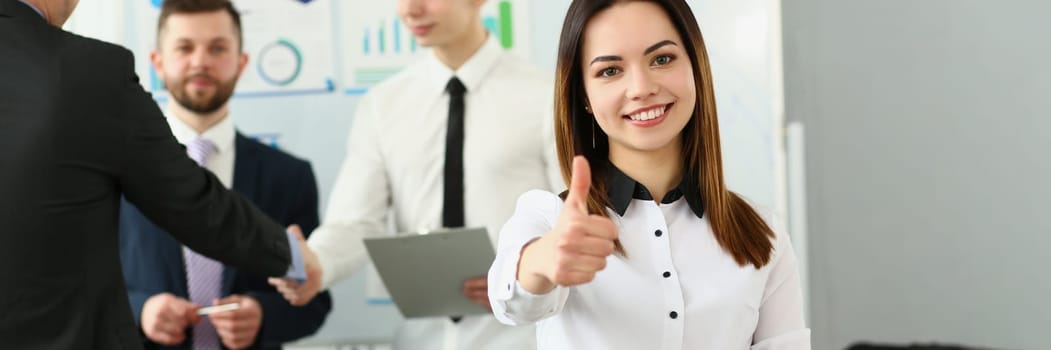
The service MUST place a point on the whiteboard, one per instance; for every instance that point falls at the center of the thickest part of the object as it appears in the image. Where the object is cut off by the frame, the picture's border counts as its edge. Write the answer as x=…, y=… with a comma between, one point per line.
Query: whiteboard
x=288, y=43
x=377, y=45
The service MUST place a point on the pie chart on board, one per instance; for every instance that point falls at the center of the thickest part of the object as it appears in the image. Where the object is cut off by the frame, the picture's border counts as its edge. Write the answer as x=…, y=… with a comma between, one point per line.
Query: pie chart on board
x=280, y=62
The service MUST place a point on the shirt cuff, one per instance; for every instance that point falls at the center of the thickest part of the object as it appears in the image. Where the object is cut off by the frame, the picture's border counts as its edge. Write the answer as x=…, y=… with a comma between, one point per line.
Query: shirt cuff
x=297, y=271
x=525, y=307
x=507, y=276
x=514, y=305
x=507, y=270
x=327, y=265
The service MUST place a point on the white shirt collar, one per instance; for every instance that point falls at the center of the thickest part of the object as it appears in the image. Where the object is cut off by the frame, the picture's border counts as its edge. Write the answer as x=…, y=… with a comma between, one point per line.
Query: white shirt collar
x=473, y=72
x=221, y=134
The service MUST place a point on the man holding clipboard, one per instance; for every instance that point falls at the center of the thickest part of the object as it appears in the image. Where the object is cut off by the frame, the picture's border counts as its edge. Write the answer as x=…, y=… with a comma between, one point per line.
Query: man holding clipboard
x=449, y=142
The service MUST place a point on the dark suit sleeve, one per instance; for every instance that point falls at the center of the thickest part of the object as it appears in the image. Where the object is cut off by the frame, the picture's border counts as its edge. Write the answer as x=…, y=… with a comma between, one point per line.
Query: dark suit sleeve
x=137, y=298
x=305, y=211
x=283, y=322
x=186, y=200
x=143, y=277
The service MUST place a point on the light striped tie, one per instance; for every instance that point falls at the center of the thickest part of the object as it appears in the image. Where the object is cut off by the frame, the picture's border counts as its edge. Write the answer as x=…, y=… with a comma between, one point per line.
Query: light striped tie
x=203, y=275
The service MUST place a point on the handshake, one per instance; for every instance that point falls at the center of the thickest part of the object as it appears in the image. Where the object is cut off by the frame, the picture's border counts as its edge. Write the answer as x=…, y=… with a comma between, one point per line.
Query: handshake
x=297, y=292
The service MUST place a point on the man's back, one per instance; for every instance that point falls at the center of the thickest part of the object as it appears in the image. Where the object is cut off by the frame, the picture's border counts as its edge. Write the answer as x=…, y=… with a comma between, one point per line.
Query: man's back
x=76, y=131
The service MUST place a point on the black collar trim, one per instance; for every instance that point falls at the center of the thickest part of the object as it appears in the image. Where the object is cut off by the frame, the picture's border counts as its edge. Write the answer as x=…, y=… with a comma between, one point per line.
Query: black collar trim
x=621, y=189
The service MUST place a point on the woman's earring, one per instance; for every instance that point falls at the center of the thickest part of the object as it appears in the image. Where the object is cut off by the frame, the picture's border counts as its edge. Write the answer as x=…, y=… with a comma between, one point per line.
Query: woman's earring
x=587, y=109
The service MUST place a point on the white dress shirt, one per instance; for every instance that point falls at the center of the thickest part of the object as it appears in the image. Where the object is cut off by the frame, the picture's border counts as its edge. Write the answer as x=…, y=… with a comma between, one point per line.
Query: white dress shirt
x=395, y=162
x=221, y=163
x=676, y=289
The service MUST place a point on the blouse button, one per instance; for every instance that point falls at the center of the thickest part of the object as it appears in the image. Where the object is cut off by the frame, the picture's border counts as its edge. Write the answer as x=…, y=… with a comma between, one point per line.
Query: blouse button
x=674, y=315
x=667, y=274
x=658, y=233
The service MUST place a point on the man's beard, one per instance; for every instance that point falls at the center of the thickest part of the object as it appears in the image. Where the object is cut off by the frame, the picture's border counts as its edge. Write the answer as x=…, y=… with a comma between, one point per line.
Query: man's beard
x=198, y=104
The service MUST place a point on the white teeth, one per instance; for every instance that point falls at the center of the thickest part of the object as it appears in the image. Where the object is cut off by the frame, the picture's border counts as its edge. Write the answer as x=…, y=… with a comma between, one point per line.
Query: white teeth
x=648, y=115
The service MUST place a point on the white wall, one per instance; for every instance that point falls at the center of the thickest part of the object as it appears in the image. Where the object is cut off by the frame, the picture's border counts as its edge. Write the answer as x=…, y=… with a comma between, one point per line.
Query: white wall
x=100, y=19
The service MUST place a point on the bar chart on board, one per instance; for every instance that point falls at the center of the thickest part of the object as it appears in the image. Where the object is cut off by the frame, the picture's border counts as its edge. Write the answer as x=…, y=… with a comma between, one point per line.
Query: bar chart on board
x=380, y=45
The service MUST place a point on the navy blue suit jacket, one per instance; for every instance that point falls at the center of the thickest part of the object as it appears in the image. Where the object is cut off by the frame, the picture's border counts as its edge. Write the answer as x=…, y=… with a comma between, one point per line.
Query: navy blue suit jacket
x=285, y=189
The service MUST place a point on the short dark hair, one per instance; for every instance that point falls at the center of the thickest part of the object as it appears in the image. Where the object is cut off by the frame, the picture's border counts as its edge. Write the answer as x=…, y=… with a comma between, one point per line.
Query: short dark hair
x=170, y=7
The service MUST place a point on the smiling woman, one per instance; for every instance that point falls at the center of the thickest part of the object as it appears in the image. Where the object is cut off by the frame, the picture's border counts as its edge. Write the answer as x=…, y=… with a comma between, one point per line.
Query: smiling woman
x=647, y=238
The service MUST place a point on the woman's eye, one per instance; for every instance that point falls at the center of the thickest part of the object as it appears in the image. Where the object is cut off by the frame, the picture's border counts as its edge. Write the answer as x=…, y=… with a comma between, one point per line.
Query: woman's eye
x=609, y=72
x=662, y=60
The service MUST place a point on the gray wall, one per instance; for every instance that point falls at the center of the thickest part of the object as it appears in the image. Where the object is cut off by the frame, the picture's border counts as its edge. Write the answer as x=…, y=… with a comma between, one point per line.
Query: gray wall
x=928, y=179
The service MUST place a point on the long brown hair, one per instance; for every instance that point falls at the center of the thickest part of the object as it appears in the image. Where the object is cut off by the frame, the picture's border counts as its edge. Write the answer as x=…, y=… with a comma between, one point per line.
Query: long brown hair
x=738, y=228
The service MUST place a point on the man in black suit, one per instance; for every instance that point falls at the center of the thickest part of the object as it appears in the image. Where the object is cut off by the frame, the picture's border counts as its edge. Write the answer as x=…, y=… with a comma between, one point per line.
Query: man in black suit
x=199, y=58
x=76, y=132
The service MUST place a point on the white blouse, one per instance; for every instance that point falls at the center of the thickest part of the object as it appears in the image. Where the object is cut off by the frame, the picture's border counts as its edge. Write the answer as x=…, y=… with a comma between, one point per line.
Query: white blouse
x=686, y=295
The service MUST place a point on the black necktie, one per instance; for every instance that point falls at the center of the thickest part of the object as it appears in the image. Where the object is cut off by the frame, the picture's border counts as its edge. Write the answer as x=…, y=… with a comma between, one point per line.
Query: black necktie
x=452, y=209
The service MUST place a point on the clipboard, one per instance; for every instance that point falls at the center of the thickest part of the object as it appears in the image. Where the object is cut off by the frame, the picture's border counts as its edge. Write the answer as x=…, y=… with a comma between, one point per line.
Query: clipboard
x=424, y=273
